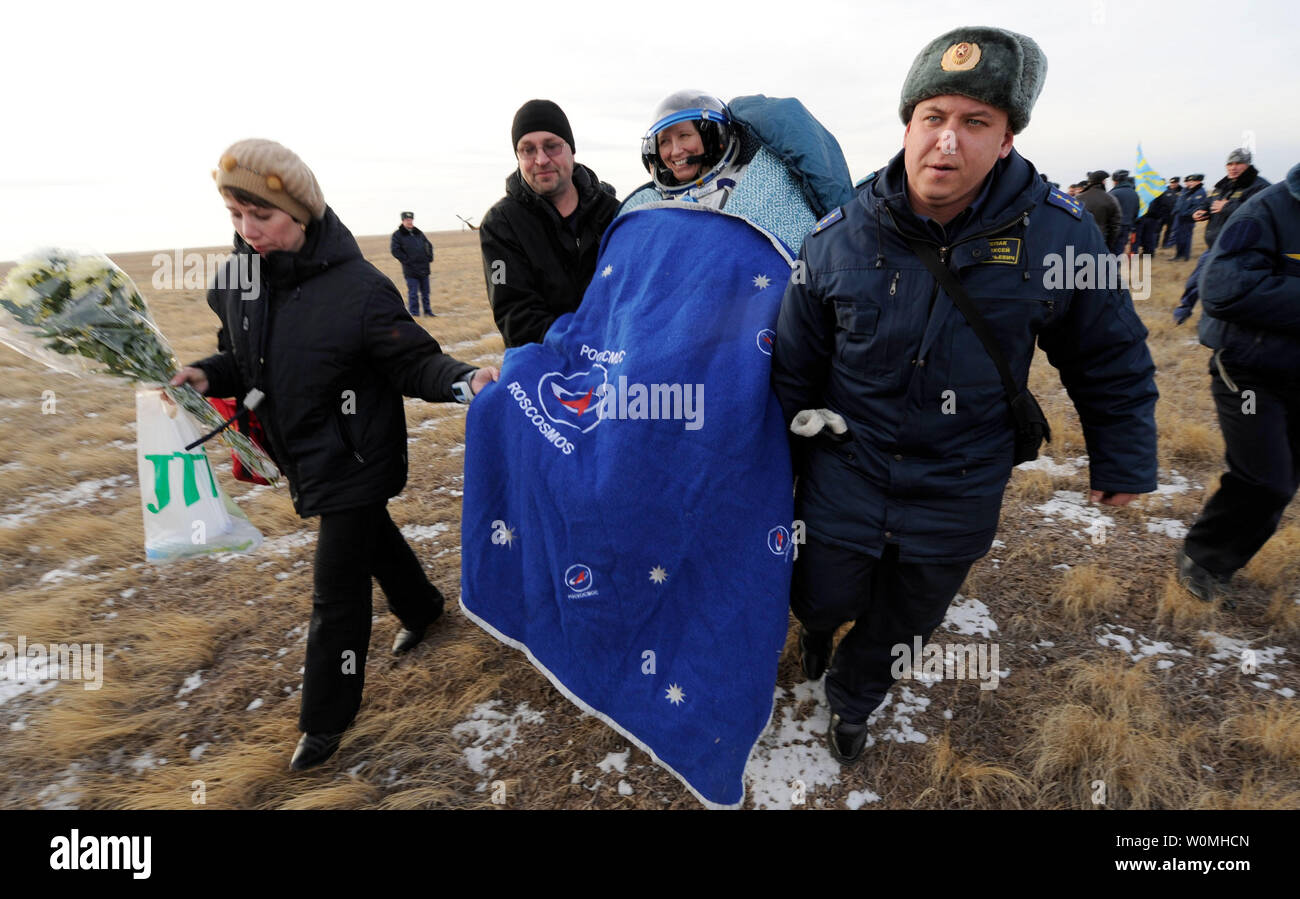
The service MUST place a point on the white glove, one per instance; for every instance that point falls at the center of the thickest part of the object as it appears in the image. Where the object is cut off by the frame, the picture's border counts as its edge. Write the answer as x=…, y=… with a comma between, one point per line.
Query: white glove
x=809, y=422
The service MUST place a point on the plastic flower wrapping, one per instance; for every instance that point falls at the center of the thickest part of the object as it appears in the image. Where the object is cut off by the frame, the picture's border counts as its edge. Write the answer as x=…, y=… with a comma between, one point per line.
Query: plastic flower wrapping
x=81, y=314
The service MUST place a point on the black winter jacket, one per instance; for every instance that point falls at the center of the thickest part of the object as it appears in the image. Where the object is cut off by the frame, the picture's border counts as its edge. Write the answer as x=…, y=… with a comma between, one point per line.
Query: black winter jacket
x=1235, y=192
x=536, y=269
x=326, y=337
x=413, y=250
x=1129, y=203
x=1250, y=284
x=1105, y=211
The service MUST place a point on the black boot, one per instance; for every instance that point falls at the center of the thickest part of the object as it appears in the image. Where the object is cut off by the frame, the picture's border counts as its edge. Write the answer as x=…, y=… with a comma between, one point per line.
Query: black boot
x=1202, y=584
x=814, y=652
x=410, y=637
x=846, y=740
x=313, y=749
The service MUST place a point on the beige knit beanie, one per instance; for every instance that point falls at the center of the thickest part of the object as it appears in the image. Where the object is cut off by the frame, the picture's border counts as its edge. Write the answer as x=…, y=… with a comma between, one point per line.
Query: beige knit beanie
x=274, y=173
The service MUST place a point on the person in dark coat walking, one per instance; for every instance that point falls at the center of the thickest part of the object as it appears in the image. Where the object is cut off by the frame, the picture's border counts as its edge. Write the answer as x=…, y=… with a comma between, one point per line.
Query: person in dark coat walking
x=410, y=247
x=1189, y=200
x=1157, y=214
x=1103, y=207
x=324, y=351
x=1174, y=189
x=1241, y=182
x=1129, y=204
x=1250, y=285
x=906, y=436
x=540, y=241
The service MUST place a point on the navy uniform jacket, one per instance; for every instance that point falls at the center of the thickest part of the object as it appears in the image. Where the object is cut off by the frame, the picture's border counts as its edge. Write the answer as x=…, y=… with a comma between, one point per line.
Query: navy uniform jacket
x=931, y=446
x=1250, y=283
x=1189, y=201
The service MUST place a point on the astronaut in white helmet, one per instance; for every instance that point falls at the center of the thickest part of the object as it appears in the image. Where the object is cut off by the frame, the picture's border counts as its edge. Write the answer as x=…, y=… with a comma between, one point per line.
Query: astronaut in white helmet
x=693, y=150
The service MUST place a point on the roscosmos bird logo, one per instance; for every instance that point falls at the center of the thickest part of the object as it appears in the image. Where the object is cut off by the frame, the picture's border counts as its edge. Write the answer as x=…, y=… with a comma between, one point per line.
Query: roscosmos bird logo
x=574, y=400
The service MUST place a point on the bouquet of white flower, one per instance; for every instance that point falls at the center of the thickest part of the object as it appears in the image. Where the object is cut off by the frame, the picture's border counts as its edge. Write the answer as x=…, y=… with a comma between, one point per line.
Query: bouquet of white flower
x=81, y=314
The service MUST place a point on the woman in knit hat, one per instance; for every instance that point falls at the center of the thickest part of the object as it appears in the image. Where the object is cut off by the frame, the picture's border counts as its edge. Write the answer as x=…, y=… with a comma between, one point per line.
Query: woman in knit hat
x=324, y=348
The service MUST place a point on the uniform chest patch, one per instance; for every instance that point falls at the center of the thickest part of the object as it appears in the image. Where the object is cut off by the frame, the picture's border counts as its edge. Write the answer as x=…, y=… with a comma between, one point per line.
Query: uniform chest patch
x=1004, y=250
x=1065, y=201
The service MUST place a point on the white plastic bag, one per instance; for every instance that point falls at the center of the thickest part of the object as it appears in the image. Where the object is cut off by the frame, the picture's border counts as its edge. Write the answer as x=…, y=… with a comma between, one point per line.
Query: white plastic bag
x=185, y=512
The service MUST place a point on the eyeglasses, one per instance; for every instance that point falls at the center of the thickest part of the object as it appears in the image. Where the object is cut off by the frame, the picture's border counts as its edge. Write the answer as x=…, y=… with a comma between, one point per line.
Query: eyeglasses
x=550, y=149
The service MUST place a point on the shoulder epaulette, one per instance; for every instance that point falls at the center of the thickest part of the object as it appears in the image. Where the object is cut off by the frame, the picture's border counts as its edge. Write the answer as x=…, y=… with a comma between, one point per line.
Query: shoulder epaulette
x=866, y=180
x=831, y=218
x=1064, y=201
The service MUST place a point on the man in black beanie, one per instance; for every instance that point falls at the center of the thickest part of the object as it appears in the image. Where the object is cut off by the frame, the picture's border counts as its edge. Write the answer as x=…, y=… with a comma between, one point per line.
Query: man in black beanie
x=540, y=240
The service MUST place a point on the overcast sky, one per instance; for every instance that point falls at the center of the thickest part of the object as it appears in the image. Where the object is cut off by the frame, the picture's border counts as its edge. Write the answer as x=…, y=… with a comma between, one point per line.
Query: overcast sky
x=116, y=112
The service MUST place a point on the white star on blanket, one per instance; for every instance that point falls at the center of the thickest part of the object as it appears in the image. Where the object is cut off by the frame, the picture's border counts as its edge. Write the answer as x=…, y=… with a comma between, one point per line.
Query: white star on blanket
x=675, y=694
x=761, y=282
x=658, y=574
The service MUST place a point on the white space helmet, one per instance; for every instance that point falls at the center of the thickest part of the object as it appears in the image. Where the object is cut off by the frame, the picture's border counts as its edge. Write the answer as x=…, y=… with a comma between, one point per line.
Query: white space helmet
x=711, y=119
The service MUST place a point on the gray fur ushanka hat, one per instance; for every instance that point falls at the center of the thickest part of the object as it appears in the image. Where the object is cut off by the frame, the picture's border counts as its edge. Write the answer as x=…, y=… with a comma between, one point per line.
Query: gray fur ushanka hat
x=993, y=65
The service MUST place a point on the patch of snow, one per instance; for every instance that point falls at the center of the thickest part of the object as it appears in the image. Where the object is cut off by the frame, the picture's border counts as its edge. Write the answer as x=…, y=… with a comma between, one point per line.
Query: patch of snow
x=1073, y=506
x=969, y=617
x=70, y=572
x=624, y=788
x=76, y=496
x=1177, y=484
x=855, y=800
x=425, y=531
x=254, y=705
x=192, y=683
x=1170, y=527
x=615, y=761
x=492, y=734
x=1053, y=468
x=790, y=751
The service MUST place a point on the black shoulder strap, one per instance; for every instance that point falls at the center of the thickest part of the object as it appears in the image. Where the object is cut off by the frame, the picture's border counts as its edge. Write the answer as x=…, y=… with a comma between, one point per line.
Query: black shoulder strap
x=948, y=281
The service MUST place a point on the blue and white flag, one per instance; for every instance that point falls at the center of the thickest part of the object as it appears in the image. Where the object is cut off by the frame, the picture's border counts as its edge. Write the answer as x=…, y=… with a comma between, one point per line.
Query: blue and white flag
x=1149, y=184
x=627, y=510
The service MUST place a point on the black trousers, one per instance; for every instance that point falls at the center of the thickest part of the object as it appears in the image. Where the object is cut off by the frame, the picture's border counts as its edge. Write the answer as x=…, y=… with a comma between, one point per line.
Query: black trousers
x=354, y=546
x=1263, y=455
x=889, y=601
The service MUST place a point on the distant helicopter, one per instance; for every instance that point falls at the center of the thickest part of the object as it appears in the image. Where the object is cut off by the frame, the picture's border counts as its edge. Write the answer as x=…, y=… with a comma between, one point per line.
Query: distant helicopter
x=468, y=223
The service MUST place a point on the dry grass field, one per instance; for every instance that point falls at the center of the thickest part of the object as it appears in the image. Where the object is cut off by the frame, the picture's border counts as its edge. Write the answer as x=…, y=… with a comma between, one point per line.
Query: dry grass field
x=1110, y=673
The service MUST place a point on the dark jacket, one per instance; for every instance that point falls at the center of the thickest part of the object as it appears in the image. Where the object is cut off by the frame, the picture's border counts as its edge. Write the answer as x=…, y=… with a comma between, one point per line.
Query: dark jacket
x=536, y=269
x=413, y=250
x=327, y=339
x=1188, y=201
x=868, y=333
x=1129, y=204
x=1250, y=284
x=1161, y=209
x=1105, y=211
x=1235, y=192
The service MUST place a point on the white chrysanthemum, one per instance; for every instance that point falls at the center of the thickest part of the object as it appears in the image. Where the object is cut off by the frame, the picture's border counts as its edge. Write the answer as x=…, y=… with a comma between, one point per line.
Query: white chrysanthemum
x=30, y=271
x=90, y=269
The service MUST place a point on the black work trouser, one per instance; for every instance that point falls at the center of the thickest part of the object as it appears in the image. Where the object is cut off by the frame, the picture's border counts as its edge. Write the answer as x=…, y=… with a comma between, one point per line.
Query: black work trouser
x=353, y=546
x=890, y=602
x=1262, y=434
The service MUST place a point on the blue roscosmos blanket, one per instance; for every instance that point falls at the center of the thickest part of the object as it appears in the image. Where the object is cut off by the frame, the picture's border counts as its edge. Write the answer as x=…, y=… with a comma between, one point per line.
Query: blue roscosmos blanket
x=627, y=505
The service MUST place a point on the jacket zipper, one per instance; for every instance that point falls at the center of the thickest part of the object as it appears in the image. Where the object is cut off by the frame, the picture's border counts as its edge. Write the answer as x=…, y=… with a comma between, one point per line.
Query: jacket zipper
x=347, y=441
